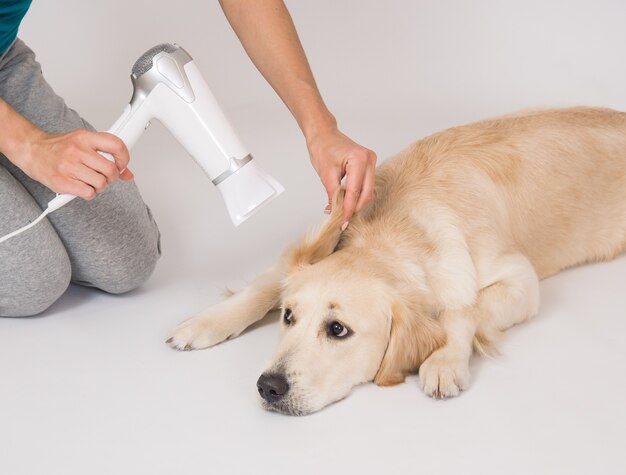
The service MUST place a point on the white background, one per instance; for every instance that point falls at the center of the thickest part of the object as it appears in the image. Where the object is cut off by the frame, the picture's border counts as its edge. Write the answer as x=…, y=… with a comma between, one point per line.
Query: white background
x=89, y=387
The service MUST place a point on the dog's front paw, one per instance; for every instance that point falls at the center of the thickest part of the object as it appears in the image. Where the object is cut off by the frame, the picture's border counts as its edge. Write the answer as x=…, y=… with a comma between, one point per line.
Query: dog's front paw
x=444, y=374
x=199, y=332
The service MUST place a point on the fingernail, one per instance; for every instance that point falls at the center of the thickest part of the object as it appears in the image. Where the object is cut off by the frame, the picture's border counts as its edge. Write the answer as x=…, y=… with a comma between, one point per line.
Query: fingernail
x=344, y=226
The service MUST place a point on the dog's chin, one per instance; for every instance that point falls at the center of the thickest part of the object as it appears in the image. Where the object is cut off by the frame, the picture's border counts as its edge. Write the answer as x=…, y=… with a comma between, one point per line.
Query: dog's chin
x=295, y=406
x=288, y=408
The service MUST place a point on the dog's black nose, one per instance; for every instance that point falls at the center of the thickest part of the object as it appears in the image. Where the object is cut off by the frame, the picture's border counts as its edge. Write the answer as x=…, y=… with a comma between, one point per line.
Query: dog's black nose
x=272, y=387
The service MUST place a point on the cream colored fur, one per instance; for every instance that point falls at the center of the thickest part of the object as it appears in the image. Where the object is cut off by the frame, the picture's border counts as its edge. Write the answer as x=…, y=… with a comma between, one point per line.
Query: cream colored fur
x=462, y=227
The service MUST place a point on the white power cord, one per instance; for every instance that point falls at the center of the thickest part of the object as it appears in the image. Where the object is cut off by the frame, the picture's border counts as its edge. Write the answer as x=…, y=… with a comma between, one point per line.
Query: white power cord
x=28, y=226
x=53, y=205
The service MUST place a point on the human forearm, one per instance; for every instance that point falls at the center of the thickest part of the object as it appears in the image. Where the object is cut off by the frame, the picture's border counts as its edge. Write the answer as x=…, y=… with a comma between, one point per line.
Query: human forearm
x=268, y=35
x=16, y=133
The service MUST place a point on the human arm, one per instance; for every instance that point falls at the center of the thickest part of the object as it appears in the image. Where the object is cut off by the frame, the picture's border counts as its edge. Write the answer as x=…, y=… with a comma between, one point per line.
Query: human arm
x=65, y=163
x=268, y=35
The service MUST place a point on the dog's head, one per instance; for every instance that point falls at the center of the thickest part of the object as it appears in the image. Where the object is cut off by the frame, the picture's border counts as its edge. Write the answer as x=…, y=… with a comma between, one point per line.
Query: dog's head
x=343, y=323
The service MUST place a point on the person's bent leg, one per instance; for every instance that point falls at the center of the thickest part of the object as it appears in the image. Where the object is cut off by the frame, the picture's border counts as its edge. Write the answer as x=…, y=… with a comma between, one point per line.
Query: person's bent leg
x=112, y=241
x=34, y=267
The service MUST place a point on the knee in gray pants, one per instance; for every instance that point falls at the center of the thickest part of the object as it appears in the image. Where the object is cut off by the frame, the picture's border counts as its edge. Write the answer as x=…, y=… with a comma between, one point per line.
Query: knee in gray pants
x=37, y=274
x=120, y=261
x=122, y=272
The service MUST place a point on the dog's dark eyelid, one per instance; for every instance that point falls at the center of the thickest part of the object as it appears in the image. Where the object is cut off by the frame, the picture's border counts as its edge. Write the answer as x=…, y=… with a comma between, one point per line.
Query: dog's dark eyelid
x=337, y=330
x=288, y=316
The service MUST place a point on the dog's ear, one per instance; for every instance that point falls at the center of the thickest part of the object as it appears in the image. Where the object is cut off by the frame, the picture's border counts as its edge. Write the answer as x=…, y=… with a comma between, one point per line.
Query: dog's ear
x=317, y=246
x=413, y=336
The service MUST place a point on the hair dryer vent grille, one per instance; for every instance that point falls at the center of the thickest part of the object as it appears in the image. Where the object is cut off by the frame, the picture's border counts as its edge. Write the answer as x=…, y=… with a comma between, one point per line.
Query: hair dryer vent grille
x=144, y=63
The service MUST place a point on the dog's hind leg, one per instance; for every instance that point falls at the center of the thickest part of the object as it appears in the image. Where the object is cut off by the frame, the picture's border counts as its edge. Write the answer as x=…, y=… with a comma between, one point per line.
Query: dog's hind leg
x=510, y=296
x=230, y=317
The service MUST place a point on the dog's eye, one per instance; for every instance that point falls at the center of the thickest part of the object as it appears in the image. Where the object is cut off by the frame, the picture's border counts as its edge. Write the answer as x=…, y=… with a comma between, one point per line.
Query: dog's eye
x=288, y=316
x=337, y=330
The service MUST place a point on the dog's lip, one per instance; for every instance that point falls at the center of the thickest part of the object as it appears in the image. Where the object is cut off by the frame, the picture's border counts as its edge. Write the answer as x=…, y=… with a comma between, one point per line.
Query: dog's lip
x=285, y=408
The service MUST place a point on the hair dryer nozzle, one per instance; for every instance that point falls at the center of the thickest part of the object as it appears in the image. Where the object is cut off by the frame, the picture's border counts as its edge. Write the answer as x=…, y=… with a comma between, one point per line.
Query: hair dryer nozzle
x=247, y=190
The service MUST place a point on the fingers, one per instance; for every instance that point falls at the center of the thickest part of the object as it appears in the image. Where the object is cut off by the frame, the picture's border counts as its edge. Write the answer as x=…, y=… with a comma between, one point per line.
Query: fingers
x=353, y=191
x=97, y=171
x=334, y=155
x=90, y=177
x=331, y=182
x=70, y=163
x=367, y=189
x=83, y=190
x=127, y=175
x=74, y=187
x=105, y=167
x=359, y=182
x=109, y=143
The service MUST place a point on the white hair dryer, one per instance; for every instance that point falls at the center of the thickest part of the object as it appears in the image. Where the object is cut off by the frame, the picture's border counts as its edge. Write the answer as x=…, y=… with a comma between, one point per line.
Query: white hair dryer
x=169, y=87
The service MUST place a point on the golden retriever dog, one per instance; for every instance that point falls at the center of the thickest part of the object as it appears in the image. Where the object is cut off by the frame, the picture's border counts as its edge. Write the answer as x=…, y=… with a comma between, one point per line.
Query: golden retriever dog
x=449, y=253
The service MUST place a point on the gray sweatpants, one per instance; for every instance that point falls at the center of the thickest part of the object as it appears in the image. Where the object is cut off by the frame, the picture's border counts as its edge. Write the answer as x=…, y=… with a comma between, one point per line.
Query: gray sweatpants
x=111, y=242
